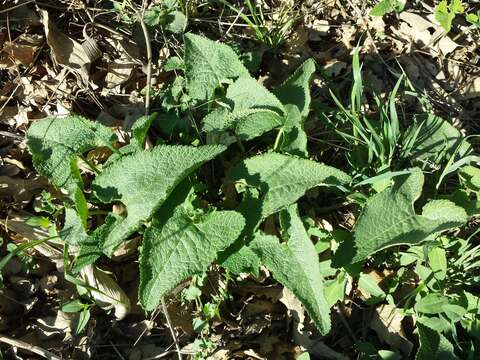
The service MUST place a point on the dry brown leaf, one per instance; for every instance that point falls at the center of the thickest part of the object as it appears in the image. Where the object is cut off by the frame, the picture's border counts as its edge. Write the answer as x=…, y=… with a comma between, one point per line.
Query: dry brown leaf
x=22, y=190
x=61, y=324
x=109, y=295
x=387, y=323
x=66, y=50
x=21, y=51
x=472, y=90
x=118, y=72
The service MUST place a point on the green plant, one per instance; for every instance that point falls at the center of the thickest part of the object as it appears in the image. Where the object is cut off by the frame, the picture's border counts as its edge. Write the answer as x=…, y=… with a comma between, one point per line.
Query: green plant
x=387, y=6
x=474, y=19
x=269, y=28
x=446, y=11
x=187, y=221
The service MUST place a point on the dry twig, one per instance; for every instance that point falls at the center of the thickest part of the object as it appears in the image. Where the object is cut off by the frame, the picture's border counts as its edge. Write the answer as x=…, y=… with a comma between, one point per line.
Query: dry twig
x=32, y=348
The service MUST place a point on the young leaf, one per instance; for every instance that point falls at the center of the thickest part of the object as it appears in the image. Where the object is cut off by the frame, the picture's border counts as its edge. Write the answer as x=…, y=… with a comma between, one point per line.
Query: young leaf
x=142, y=181
x=73, y=232
x=296, y=266
x=296, y=89
x=294, y=138
x=446, y=11
x=182, y=247
x=432, y=303
x=207, y=65
x=434, y=345
x=56, y=142
x=91, y=247
x=389, y=219
x=255, y=110
x=387, y=6
x=176, y=22
x=140, y=130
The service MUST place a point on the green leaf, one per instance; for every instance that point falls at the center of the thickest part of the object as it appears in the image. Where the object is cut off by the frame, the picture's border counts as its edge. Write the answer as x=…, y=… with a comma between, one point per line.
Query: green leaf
x=304, y=356
x=73, y=232
x=434, y=345
x=182, y=247
x=207, y=65
x=473, y=19
x=294, y=138
x=445, y=12
x=471, y=177
x=82, y=320
x=240, y=258
x=432, y=303
x=176, y=22
x=437, y=140
x=387, y=6
x=55, y=144
x=367, y=283
x=140, y=130
x=296, y=266
x=254, y=111
x=437, y=260
x=143, y=181
x=91, y=247
x=73, y=306
x=281, y=180
x=296, y=89
x=389, y=219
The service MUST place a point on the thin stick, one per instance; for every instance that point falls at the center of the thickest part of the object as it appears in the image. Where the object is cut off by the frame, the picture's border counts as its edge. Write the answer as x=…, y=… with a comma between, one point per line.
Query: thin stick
x=172, y=330
x=149, y=60
x=32, y=348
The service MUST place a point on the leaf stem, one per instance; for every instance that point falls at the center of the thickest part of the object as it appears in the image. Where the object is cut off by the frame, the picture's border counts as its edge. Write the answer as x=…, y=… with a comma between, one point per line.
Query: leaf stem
x=277, y=139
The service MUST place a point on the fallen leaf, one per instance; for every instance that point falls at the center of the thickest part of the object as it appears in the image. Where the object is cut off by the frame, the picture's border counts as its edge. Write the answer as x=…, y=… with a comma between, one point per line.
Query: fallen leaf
x=21, y=190
x=66, y=50
x=21, y=51
x=109, y=295
x=387, y=323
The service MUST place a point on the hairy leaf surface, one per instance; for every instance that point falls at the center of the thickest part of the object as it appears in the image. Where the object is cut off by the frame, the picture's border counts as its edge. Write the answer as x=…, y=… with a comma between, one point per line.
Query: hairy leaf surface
x=283, y=179
x=296, y=89
x=296, y=266
x=182, y=247
x=435, y=139
x=56, y=142
x=433, y=345
x=389, y=219
x=207, y=65
x=142, y=181
x=254, y=110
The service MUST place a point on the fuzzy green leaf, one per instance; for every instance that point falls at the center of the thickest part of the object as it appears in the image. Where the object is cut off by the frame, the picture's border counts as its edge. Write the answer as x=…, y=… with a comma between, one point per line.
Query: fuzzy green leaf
x=433, y=345
x=296, y=89
x=55, y=144
x=182, y=247
x=282, y=180
x=142, y=181
x=435, y=140
x=470, y=176
x=296, y=266
x=207, y=65
x=389, y=219
x=254, y=111
x=294, y=139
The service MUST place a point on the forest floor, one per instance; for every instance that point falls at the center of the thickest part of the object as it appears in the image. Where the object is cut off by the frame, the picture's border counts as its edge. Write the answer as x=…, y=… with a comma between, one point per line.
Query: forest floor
x=91, y=57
